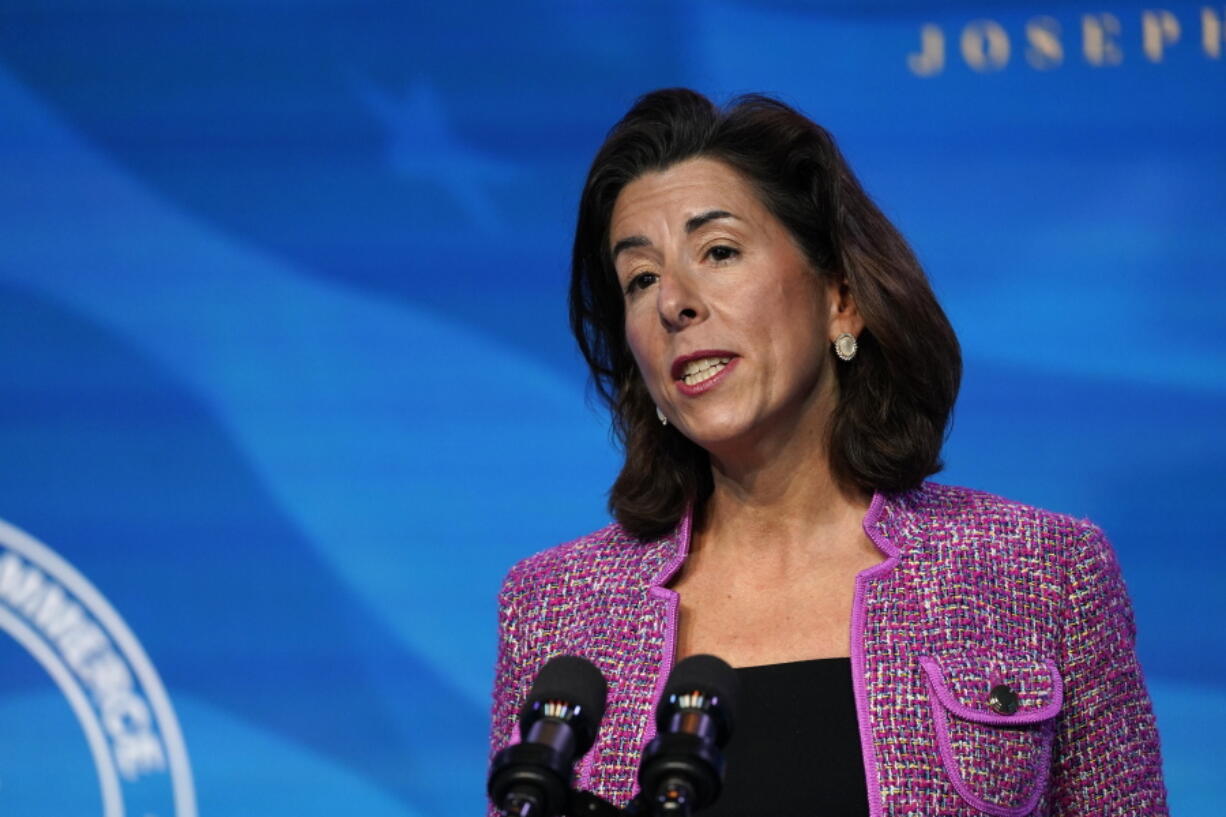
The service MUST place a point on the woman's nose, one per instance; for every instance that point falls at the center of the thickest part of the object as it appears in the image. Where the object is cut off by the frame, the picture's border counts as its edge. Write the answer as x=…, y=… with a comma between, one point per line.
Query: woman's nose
x=679, y=303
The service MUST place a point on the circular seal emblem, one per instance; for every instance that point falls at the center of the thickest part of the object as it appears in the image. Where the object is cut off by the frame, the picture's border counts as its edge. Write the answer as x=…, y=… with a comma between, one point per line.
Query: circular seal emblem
x=73, y=633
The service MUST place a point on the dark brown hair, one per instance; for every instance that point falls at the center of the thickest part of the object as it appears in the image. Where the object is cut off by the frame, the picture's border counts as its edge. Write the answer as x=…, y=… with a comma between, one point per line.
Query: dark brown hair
x=895, y=397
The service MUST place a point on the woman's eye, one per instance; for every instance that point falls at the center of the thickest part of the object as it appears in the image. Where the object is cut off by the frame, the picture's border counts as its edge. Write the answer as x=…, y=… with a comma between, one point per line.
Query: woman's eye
x=721, y=252
x=640, y=282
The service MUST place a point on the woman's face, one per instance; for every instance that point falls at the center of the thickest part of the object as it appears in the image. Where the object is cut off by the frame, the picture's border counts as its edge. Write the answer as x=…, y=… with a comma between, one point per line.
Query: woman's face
x=728, y=323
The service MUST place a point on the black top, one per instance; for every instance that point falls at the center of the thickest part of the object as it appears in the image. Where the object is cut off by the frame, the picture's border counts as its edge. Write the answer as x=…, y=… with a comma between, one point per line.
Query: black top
x=796, y=748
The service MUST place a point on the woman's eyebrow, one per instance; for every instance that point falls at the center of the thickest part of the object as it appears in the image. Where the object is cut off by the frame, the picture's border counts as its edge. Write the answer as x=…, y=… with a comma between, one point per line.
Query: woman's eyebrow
x=701, y=219
x=690, y=226
x=630, y=243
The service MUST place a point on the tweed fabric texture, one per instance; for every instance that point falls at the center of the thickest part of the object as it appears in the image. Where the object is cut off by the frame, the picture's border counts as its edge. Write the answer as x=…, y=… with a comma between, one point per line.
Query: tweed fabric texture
x=975, y=591
x=996, y=760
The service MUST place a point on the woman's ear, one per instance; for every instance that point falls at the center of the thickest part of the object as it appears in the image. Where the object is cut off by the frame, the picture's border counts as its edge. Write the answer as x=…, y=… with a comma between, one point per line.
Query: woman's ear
x=844, y=314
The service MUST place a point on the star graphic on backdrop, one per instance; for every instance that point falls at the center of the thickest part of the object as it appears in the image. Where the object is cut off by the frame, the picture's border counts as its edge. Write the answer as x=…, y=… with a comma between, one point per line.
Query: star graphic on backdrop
x=424, y=148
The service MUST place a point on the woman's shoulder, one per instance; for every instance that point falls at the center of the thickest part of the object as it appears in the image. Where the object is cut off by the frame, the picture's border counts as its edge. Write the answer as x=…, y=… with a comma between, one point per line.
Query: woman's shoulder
x=607, y=554
x=1003, y=549
x=977, y=516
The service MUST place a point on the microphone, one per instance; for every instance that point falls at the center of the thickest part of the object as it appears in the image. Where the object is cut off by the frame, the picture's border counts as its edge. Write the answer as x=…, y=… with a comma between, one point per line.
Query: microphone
x=683, y=765
x=557, y=725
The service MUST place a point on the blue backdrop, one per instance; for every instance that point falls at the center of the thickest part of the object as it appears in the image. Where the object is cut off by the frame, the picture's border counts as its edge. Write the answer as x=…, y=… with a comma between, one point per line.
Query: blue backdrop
x=286, y=386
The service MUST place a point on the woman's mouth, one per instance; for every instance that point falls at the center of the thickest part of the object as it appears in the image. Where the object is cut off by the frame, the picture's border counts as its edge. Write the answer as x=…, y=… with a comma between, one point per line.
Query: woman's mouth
x=696, y=371
x=696, y=374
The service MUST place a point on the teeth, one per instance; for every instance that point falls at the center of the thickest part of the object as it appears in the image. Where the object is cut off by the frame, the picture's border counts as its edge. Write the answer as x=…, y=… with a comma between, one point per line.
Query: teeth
x=696, y=371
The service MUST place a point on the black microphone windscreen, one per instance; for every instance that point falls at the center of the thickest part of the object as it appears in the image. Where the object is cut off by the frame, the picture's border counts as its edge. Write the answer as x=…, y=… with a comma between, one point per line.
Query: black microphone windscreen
x=574, y=680
x=710, y=675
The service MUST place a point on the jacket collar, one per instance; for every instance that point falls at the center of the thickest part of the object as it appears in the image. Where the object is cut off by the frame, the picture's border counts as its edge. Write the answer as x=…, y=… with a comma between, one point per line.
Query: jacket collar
x=882, y=521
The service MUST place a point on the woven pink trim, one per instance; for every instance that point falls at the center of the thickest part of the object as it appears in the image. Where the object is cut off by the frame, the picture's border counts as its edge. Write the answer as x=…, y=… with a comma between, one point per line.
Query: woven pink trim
x=673, y=601
x=857, y=649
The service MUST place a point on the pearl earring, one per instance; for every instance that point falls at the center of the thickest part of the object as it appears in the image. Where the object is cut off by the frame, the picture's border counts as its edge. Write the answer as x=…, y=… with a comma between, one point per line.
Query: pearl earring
x=845, y=346
x=660, y=414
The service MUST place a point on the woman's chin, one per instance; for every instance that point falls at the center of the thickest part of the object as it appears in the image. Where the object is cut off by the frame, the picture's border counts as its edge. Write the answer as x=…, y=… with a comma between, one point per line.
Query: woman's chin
x=718, y=435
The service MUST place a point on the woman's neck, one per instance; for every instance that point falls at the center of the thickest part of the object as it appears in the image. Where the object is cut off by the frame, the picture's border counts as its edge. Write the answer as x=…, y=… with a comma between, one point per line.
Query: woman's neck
x=784, y=500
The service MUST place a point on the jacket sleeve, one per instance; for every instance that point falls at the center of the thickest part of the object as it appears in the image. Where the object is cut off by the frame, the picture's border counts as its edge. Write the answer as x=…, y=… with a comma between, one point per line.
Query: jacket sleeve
x=506, y=670
x=509, y=684
x=1106, y=760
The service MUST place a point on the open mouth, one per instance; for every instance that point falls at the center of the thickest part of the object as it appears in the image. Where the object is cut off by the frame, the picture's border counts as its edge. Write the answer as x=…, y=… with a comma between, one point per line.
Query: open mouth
x=697, y=372
x=702, y=369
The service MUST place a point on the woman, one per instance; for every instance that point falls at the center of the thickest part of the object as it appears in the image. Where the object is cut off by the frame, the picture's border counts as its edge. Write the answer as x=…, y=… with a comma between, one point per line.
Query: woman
x=781, y=376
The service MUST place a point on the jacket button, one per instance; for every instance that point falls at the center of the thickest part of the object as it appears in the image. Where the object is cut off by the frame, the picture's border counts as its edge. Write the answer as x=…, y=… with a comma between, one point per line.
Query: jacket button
x=1002, y=699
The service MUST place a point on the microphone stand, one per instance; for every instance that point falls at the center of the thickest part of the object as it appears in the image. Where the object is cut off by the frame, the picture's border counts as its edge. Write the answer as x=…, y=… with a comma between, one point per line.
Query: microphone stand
x=585, y=804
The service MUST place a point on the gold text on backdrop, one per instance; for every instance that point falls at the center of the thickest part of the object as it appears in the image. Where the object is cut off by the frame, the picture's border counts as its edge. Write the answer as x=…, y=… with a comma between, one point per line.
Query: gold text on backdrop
x=987, y=45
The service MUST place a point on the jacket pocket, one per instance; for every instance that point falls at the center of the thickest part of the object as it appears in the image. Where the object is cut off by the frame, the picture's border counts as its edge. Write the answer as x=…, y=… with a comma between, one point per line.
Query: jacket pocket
x=995, y=719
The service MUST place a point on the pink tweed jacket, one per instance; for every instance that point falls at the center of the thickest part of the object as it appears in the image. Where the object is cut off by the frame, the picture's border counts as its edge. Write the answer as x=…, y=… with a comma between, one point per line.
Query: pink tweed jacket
x=975, y=591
